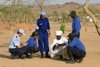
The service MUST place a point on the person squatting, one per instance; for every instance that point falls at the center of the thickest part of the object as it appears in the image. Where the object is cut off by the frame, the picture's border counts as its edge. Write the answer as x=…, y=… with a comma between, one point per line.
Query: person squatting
x=72, y=49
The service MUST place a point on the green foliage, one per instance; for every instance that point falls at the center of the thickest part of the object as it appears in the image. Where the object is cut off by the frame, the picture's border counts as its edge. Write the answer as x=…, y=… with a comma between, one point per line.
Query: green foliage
x=17, y=13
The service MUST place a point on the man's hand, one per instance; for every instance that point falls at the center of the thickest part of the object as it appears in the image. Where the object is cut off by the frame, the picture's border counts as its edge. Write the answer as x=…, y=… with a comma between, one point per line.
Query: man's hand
x=49, y=33
x=69, y=41
x=57, y=46
x=54, y=47
x=24, y=44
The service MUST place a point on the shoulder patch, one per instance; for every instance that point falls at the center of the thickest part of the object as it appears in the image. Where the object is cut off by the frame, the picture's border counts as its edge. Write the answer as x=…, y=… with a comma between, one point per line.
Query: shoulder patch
x=16, y=36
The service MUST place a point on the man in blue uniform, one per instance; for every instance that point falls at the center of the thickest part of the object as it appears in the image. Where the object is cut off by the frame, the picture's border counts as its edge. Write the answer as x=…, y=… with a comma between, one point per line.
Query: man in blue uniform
x=32, y=45
x=44, y=32
x=75, y=49
x=76, y=26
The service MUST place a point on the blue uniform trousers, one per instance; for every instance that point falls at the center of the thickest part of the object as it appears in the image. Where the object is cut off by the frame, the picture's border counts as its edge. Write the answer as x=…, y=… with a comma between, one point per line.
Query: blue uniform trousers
x=43, y=41
x=18, y=51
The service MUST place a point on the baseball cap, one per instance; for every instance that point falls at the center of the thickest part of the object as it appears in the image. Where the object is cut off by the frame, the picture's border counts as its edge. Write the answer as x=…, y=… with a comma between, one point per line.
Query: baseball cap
x=35, y=34
x=71, y=35
x=43, y=13
x=21, y=31
x=72, y=13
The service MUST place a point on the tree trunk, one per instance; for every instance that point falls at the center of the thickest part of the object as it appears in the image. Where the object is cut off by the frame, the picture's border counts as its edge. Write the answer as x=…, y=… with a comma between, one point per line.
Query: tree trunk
x=15, y=2
x=95, y=21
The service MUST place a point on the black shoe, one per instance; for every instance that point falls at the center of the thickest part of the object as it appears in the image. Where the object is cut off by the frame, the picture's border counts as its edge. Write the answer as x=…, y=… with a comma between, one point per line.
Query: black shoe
x=21, y=56
x=80, y=60
x=29, y=55
x=42, y=56
x=61, y=57
x=13, y=56
x=46, y=55
x=71, y=61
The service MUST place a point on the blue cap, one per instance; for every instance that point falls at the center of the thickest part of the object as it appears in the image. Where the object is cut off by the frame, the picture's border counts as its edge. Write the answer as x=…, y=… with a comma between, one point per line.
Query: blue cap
x=21, y=31
x=43, y=13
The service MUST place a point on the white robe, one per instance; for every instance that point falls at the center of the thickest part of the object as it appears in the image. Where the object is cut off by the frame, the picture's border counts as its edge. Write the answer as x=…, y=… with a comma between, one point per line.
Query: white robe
x=55, y=54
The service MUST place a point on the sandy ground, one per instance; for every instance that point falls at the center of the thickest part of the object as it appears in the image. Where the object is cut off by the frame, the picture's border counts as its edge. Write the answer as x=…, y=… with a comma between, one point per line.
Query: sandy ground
x=90, y=39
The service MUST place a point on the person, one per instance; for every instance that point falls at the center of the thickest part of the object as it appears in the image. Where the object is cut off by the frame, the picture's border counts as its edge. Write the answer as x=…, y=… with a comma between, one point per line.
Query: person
x=15, y=48
x=76, y=26
x=56, y=48
x=75, y=49
x=44, y=33
x=32, y=45
x=63, y=27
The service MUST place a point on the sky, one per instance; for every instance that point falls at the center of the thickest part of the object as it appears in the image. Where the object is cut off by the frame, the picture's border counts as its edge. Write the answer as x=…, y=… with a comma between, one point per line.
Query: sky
x=64, y=1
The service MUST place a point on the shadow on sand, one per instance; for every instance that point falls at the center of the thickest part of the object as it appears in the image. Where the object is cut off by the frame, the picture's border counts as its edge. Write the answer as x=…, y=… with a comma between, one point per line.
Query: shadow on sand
x=4, y=56
x=4, y=45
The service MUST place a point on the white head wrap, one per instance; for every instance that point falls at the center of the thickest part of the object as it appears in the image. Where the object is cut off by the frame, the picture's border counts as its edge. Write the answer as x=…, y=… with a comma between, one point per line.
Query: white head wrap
x=58, y=33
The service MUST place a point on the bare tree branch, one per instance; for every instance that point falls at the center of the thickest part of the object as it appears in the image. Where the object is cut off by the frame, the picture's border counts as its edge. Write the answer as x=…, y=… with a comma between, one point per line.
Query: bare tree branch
x=95, y=21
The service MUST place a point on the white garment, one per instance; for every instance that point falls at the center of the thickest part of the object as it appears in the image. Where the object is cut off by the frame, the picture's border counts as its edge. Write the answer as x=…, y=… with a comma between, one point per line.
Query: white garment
x=59, y=51
x=15, y=41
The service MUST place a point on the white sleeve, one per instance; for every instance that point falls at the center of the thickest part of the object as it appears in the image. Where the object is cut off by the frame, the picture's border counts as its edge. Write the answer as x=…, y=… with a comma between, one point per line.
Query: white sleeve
x=16, y=41
x=51, y=46
x=66, y=41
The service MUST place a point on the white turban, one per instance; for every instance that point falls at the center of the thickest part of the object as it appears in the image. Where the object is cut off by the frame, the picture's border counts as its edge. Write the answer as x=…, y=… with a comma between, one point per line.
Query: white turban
x=58, y=33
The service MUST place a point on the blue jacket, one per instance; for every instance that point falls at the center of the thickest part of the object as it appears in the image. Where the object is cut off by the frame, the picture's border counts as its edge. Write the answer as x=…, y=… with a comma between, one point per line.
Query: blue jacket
x=76, y=26
x=32, y=42
x=78, y=44
x=43, y=24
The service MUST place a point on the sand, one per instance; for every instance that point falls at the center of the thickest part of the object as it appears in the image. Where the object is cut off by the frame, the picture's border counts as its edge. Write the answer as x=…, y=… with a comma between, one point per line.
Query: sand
x=90, y=39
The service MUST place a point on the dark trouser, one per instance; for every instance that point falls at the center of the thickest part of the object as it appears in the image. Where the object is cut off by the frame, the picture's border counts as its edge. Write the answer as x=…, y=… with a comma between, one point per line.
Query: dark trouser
x=76, y=53
x=31, y=50
x=18, y=51
x=78, y=35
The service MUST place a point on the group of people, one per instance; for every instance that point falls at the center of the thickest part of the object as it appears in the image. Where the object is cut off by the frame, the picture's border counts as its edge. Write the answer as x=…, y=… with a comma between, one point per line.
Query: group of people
x=61, y=48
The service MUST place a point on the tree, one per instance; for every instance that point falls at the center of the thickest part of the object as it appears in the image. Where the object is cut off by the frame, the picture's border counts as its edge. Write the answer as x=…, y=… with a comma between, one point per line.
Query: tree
x=41, y=3
x=15, y=2
x=95, y=21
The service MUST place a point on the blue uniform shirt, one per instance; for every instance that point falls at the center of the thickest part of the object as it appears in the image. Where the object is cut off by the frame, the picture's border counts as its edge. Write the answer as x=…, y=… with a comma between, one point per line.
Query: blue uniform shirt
x=32, y=42
x=43, y=24
x=78, y=44
x=76, y=26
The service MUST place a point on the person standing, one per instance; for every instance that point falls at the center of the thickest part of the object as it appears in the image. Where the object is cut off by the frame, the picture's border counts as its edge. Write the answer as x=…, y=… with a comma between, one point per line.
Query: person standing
x=44, y=33
x=62, y=27
x=76, y=26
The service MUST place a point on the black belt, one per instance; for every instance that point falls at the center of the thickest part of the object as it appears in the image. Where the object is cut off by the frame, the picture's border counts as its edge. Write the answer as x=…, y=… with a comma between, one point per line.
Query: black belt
x=42, y=31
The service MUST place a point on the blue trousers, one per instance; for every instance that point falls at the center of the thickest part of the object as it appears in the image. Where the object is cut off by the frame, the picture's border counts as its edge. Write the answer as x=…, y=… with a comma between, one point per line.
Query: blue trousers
x=43, y=41
x=18, y=51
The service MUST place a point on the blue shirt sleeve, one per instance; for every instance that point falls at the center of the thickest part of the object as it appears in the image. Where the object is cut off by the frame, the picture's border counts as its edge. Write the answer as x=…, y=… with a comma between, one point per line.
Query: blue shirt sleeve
x=48, y=25
x=73, y=43
x=73, y=26
x=77, y=26
x=31, y=42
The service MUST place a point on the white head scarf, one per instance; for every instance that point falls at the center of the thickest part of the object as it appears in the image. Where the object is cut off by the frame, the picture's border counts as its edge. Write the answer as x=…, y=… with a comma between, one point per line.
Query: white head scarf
x=58, y=33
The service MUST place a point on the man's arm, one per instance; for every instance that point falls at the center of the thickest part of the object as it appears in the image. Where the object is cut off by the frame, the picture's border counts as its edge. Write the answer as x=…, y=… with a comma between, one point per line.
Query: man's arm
x=77, y=26
x=20, y=46
x=73, y=43
x=49, y=33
